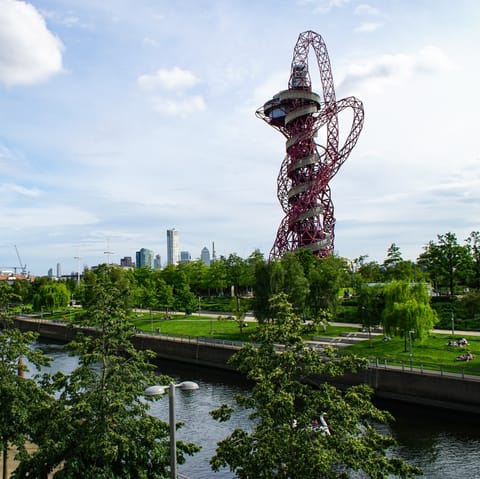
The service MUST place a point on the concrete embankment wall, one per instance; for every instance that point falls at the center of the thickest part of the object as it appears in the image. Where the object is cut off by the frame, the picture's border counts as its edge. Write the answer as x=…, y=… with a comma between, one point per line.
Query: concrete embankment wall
x=192, y=351
x=426, y=388
x=450, y=392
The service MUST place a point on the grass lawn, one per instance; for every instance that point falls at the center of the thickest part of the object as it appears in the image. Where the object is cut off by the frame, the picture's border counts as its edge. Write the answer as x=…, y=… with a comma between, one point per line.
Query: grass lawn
x=193, y=325
x=205, y=326
x=433, y=350
x=333, y=331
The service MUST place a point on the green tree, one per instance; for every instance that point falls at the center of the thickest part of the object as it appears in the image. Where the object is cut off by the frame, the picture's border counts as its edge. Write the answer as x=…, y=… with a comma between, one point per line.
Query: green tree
x=370, y=272
x=269, y=280
x=296, y=284
x=20, y=396
x=284, y=441
x=394, y=256
x=395, y=267
x=237, y=274
x=446, y=261
x=99, y=426
x=163, y=293
x=326, y=276
x=262, y=291
x=371, y=303
x=51, y=296
x=473, y=245
x=184, y=299
x=217, y=276
x=23, y=289
x=196, y=274
x=407, y=308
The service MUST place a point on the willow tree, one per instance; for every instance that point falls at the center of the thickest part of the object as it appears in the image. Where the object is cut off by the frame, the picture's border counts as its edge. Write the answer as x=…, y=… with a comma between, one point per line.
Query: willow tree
x=407, y=308
x=284, y=441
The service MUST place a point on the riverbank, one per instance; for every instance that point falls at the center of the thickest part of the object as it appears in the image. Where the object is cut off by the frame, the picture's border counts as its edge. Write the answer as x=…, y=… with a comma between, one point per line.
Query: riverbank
x=460, y=392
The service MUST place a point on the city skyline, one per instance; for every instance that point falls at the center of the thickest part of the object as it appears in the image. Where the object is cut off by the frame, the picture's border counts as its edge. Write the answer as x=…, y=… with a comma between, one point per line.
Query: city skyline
x=120, y=120
x=126, y=261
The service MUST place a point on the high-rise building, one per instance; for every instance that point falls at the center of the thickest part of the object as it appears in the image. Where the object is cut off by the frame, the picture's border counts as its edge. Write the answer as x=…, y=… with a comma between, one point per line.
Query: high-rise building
x=126, y=262
x=144, y=257
x=205, y=256
x=185, y=256
x=59, y=270
x=173, y=248
x=157, y=262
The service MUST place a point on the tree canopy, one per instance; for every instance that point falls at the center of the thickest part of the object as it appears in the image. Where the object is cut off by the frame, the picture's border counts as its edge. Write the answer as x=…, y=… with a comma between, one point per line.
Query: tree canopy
x=407, y=308
x=99, y=426
x=285, y=441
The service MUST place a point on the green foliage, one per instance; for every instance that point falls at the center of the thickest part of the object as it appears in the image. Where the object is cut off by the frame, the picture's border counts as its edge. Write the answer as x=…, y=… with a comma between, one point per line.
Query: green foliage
x=296, y=285
x=465, y=311
x=51, y=296
x=447, y=262
x=325, y=277
x=284, y=403
x=99, y=426
x=407, y=308
x=311, y=284
x=20, y=397
x=371, y=303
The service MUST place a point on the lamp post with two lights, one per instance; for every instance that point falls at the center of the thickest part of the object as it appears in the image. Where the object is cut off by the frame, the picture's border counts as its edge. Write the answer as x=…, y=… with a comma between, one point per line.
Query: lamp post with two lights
x=158, y=390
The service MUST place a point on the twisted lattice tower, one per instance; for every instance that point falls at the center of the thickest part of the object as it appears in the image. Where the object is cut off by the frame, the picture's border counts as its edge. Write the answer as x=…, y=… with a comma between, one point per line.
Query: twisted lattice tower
x=303, y=181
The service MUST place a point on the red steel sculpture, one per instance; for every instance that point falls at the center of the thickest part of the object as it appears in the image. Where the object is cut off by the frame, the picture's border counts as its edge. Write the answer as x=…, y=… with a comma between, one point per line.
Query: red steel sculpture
x=303, y=181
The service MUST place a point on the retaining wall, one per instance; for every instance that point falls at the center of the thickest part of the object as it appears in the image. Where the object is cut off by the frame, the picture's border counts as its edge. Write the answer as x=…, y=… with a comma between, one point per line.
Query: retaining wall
x=420, y=387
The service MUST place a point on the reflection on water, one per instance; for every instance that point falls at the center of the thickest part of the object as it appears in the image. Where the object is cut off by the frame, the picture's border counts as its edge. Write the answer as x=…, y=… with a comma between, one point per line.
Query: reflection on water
x=444, y=444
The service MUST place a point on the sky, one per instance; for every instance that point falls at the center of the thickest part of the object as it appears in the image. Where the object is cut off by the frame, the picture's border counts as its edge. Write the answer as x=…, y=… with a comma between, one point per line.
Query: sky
x=121, y=119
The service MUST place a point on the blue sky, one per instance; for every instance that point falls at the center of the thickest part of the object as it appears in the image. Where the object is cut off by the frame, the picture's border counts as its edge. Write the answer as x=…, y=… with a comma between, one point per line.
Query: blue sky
x=120, y=119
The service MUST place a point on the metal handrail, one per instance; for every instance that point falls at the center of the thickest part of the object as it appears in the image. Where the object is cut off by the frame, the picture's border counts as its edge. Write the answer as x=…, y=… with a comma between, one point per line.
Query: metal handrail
x=421, y=367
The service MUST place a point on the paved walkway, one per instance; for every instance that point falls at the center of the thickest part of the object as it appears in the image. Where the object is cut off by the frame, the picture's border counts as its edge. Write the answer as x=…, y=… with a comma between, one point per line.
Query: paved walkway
x=347, y=339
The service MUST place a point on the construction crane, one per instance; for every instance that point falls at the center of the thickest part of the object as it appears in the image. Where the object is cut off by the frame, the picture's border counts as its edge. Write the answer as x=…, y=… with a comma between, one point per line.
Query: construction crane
x=23, y=267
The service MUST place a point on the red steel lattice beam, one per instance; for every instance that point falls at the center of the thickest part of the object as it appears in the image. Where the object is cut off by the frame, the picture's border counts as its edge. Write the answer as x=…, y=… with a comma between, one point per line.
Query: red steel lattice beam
x=303, y=181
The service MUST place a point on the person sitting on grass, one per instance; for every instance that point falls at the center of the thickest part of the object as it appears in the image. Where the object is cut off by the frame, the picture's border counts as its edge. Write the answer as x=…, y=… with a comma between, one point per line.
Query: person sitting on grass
x=465, y=357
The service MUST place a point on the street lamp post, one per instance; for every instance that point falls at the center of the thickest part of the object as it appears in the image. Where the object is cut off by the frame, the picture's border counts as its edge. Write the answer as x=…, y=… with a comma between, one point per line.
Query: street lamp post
x=453, y=324
x=159, y=390
x=411, y=353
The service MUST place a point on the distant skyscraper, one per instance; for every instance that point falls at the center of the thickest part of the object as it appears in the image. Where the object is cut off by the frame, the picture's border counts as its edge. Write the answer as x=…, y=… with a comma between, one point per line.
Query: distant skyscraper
x=50, y=272
x=172, y=247
x=144, y=257
x=205, y=256
x=157, y=262
x=126, y=262
x=59, y=270
x=185, y=256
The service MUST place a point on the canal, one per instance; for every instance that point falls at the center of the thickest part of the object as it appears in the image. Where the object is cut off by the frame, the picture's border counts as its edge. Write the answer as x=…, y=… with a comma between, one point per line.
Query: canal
x=444, y=444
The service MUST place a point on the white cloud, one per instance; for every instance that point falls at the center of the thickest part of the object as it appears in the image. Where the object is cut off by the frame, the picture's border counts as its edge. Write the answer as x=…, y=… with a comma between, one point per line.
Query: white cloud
x=54, y=215
x=179, y=107
x=397, y=68
x=20, y=190
x=368, y=27
x=150, y=42
x=324, y=6
x=29, y=52
x=165, y=79
x=365, y=9
x=432, y=59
